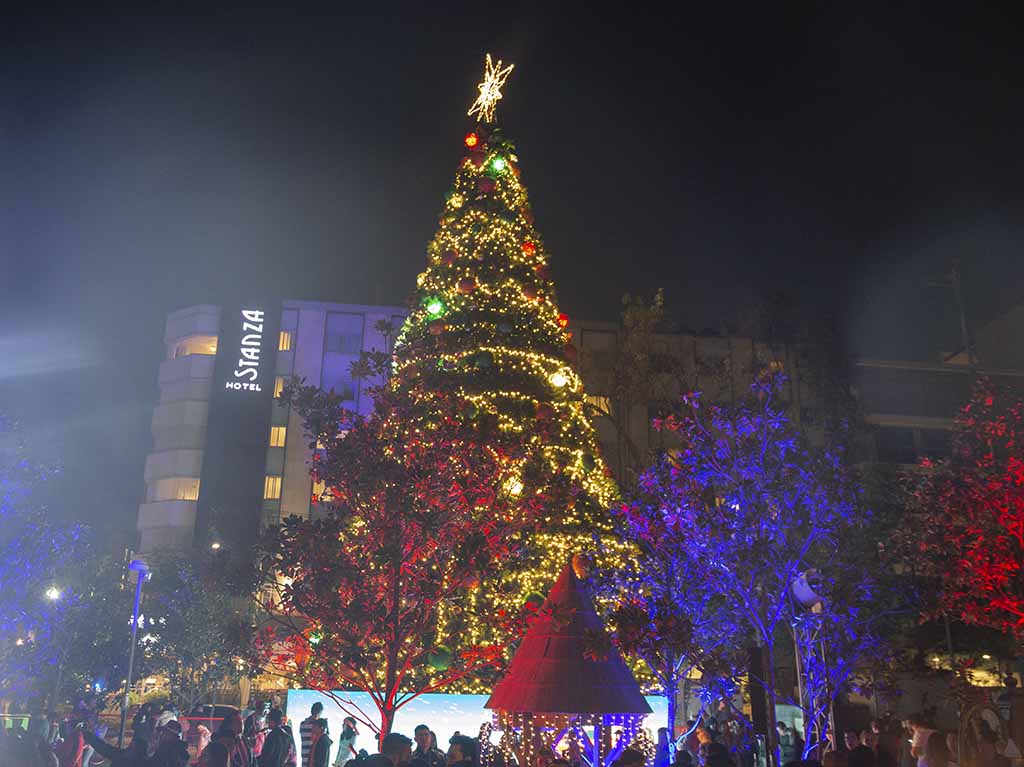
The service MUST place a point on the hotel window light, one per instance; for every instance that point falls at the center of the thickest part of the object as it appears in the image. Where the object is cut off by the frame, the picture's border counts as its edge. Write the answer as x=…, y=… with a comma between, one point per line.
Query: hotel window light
x=195, y=345
x=271, y=487
x=277, y=436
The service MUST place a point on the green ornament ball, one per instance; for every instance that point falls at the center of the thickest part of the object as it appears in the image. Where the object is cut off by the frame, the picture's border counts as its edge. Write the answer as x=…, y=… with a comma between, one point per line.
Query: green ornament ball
x=440, y=658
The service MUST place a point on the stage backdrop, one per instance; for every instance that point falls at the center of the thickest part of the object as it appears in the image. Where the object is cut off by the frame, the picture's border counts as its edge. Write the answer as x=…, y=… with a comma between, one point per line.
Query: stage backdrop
x=444, y=714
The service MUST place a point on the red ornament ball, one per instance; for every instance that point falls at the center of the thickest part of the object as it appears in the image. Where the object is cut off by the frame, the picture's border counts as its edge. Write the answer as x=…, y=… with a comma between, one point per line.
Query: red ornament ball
x=472, y=140
x=563, y=320
x=486, y=185
x=530, y=292
x=436, y=327
x=545, y=411
x=467, y=284
x=529, y=248
x=449, y=257
x=477, y=159
x=542, y=271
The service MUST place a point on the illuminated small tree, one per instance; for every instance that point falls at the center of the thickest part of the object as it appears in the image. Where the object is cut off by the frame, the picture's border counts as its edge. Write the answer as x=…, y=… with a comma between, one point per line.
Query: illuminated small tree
x=968, y=516
x=371, y=593
x=660, y=609
x=758, y=509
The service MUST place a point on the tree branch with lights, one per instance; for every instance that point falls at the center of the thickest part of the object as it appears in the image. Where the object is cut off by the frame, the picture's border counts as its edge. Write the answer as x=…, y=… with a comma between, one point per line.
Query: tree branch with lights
x=372, y=593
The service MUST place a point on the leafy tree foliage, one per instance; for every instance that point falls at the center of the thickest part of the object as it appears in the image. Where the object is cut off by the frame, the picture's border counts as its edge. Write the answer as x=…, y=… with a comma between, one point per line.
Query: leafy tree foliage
x=968, y=516
x=661, y=609
x=378, y=590
x=747, y=501
x=196, y=626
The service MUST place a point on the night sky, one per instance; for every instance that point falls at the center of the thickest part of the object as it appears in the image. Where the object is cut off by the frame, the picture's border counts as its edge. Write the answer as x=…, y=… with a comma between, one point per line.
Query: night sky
x=148, y=162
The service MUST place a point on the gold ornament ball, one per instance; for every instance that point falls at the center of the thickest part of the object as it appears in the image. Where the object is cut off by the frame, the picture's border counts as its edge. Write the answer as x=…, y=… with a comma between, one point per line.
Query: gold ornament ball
x=581, y=566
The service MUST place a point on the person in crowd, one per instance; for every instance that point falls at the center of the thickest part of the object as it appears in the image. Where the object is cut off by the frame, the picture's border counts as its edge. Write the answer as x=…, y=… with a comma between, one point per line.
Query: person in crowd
x=133, y=756
x=214, y=755
x=952, y=743
x=69, y=750
x=427, y=754
x=683, y=759
x=988, y=746
x=320, y=748
x=293, y=757
x=461, y=751
x=171, y=750
x=90, y=725
x=717, y=756
x=346, y=741
x=787, y=745
x=920, y=733
x=306, y=730
x=886, y=742
x=936, y=752
x=834, y=757
x=851, y=738
x=690, y=741
x=278, y=745
x=144, y=722
x=254, y=726
x=202, y=736
x=397, y=748
x=861, y=756
x=229, y=735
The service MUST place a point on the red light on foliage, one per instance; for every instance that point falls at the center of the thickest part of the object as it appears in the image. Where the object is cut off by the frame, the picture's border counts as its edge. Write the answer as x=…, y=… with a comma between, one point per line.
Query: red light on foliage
x=472, y=140
x=563, y=320
x=529, y=248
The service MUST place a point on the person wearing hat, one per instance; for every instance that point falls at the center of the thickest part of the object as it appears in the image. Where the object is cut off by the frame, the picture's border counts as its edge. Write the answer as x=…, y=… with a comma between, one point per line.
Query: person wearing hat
x=171, y=751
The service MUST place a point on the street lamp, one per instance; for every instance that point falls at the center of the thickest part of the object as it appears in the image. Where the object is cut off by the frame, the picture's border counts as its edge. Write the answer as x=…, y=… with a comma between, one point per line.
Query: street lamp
x=142, y=573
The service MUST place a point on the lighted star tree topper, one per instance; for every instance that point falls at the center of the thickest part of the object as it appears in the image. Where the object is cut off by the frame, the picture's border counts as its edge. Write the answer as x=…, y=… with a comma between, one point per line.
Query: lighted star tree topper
x=485, y=326
x=490, y=90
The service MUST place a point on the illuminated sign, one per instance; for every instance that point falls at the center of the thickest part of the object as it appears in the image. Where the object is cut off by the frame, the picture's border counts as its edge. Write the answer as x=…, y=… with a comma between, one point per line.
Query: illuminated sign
x=247, y=372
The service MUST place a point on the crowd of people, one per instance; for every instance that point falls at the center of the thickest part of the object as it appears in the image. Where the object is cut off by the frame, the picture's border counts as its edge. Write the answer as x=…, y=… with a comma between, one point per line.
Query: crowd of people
x=262, y=738
x=265, y=738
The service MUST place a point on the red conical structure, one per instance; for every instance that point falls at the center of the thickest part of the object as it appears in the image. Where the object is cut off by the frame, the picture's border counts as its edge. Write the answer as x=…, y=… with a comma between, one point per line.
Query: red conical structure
x=550, y=672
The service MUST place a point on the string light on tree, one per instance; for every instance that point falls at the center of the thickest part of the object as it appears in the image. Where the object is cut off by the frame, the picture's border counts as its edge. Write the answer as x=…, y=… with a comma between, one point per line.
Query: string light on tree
x=486, y=328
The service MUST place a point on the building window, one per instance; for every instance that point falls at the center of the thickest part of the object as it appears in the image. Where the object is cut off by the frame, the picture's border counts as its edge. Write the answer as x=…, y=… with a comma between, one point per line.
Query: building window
x=277, y=434
x=195, y=345
x=934, y=443
x=284, y=341
x=603, y=405
x=344, y=333
x=271, y=487
x=278, y=386
x=895, y=445
x=175, y=489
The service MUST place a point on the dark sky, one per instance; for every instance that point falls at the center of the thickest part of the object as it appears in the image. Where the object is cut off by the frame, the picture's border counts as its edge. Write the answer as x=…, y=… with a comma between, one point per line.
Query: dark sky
x=154, y=161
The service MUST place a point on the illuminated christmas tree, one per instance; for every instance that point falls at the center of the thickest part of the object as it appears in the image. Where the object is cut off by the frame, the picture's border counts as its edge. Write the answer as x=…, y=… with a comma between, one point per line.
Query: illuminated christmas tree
x=486, y=328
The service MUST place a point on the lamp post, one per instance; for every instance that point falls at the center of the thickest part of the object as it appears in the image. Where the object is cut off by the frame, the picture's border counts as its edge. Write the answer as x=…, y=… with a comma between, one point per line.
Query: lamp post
x=142, y=573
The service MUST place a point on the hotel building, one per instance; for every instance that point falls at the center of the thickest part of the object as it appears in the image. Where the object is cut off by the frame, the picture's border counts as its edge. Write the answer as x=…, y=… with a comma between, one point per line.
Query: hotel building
x=228, y=457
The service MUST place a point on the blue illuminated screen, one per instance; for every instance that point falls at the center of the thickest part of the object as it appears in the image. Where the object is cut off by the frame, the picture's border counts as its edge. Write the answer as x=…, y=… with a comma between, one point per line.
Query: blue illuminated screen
x=444, y=714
